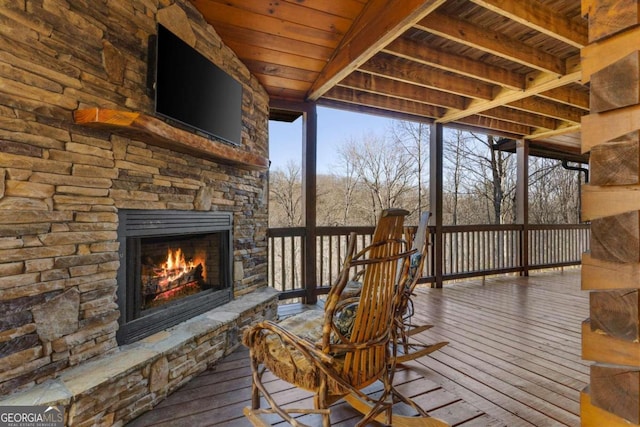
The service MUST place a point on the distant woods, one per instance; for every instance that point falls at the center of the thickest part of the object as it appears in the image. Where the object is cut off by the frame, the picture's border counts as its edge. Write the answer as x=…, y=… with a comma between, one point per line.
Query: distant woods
x=373, y=172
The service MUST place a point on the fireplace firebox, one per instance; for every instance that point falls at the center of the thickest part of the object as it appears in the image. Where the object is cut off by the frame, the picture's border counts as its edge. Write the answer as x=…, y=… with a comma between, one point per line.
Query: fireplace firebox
x=173, y=265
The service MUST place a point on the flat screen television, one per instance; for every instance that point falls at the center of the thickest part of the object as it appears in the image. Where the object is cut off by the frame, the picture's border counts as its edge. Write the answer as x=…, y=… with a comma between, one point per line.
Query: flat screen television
x=191, y=91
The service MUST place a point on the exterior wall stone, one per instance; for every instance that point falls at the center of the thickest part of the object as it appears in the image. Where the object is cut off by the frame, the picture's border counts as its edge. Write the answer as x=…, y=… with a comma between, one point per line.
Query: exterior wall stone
x=61, y=186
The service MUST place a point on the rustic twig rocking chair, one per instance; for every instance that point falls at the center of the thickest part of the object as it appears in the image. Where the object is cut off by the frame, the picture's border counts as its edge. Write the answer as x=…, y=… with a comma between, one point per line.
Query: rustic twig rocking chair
x=320, y=352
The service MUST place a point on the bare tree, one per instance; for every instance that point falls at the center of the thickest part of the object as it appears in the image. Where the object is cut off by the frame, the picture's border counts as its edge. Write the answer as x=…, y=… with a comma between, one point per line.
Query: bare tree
x=382, y=169
x=483, y=175
x=413, y=137
x=285, y=194
x=346, y=176
x=554, y=193
x=453, y=157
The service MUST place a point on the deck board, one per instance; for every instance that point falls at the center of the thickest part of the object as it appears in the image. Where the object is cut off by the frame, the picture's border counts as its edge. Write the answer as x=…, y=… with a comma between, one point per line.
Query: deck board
x=513, y=360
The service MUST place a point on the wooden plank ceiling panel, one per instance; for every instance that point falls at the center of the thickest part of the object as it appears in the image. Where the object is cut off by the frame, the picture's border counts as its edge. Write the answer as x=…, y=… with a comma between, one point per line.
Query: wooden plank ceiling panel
x=506, y=67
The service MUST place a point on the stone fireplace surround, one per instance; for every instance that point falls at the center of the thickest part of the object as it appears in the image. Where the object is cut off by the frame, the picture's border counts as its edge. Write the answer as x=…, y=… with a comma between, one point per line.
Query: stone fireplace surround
x=62, y=185
x=134, y=227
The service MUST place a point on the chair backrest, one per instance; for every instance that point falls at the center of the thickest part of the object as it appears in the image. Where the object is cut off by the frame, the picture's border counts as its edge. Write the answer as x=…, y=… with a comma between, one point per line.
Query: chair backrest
x=366, y=356
x=410, y=272
x=420, y=243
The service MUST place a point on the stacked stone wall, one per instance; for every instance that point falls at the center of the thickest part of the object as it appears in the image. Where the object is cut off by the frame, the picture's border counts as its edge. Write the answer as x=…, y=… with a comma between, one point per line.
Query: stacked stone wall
x=62, y=184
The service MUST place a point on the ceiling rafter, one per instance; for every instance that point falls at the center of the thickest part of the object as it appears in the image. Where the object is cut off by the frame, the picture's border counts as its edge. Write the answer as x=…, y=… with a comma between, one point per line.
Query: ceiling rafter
x=496, y=125
x=523, y=117
x=423, y=54
x=389, y=103
x=490, y=41
x=541, y=18
x=540, y=83
x=568, y=96
x=417, y=74
x=563, y=129
x=372, y=31
x=366, y=109
x=398, y=89
x=548, y=108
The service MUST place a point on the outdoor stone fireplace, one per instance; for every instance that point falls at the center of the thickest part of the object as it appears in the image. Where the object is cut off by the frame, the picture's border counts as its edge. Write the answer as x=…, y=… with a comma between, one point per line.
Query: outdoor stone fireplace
x=74, y=188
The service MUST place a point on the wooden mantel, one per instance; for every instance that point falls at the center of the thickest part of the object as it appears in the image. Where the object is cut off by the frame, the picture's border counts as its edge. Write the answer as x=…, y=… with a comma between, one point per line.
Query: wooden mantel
x=154, y=131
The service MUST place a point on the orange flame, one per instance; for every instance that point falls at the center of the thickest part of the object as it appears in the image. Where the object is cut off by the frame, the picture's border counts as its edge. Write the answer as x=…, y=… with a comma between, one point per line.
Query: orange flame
x=176, y=266
x=176, y=261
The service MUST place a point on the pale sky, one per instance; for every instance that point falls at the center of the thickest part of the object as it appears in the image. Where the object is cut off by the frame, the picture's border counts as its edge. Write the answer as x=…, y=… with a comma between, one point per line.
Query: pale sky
x=334, y=128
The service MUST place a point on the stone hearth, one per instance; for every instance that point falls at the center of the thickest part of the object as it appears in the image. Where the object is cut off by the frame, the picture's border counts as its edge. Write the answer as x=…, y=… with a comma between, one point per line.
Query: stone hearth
x=131, y=381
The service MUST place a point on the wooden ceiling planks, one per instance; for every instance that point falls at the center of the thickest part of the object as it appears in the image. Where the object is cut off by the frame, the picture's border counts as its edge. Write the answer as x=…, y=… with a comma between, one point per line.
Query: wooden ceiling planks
x=502, y=66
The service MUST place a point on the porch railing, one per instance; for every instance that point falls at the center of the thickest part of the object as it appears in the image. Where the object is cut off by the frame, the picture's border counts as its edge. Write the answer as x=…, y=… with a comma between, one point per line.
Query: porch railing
x=468, y=251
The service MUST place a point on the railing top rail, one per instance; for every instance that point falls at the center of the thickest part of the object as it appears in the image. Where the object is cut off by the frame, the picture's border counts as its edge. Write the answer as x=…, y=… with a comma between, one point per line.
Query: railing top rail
x=559, y=226
x=344, y=230
x=286, y=231
x=482, y=227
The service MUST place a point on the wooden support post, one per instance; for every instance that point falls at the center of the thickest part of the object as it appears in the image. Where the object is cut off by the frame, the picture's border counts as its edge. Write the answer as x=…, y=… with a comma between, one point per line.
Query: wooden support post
x=309, y=191
x=522, y=202
x=309, y=195
x=436, y=199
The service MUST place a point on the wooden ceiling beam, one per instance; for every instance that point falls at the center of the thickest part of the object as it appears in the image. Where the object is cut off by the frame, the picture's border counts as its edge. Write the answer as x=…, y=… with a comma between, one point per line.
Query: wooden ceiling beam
x=523, y=117
x=562, y=129
x=424, y=54
x=533, y=14
x=394, y=88
x=365, y=109
x=548, y=108
x=539, y=82
x=409, y=108
x=385, y=103
x=417, y=74
x=568, y=96
x=493, y=42
x=489, y=124
x=381, y=22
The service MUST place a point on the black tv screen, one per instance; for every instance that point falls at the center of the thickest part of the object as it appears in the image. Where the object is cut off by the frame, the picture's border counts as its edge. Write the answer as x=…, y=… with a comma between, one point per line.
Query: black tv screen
x=192, y=91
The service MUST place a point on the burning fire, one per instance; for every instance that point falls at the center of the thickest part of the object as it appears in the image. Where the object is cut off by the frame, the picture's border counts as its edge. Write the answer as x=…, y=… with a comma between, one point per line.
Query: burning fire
x=177, y=276
x=177, y=271
x=176, y=265
x=189, y=288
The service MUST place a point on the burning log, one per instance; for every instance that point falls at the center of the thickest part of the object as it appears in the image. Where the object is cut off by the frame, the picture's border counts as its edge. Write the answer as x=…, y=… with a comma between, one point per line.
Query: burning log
x=169, y=279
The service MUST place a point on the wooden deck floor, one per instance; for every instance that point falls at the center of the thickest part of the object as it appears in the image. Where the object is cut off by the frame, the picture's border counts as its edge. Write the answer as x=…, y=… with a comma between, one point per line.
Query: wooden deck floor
x=513, y=360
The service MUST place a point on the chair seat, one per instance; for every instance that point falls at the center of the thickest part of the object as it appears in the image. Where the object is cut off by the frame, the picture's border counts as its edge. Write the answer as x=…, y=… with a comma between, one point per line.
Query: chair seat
x=291, y=364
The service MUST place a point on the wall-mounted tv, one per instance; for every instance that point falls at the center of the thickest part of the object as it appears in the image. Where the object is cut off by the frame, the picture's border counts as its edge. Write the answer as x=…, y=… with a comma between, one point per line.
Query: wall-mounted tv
x=191, y=91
